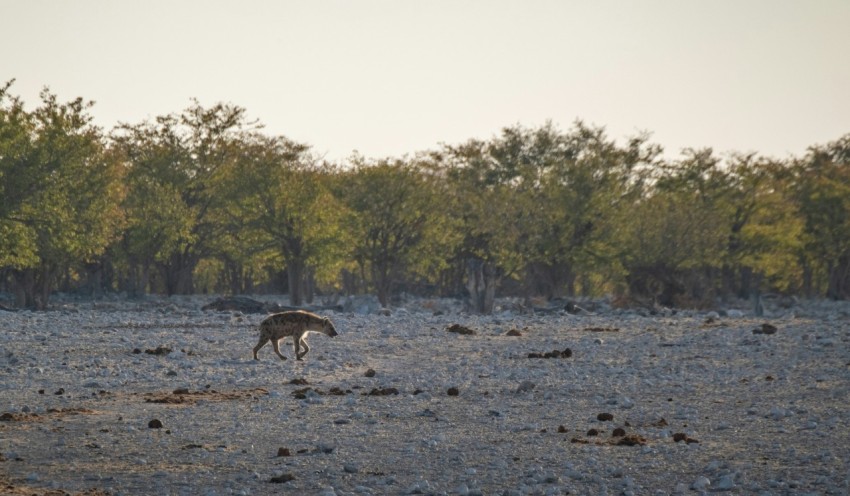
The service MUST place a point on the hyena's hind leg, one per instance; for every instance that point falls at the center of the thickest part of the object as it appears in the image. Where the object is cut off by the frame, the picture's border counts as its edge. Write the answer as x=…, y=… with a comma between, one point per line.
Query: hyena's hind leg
x=263, y=340
x=301, y=341
x=276, y=347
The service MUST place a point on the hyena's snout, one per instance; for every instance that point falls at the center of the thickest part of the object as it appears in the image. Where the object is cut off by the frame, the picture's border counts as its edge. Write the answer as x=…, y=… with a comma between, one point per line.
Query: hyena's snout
x=328, y=328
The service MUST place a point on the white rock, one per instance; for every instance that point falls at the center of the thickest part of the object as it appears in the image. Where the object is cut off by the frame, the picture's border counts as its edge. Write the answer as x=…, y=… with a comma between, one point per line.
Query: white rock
x=701, y=484
x=461, y=490
x=778, y=413
x=726, y=483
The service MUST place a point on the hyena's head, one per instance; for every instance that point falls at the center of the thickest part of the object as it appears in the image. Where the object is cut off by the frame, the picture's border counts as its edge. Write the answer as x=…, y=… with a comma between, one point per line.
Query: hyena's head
x=328, y=327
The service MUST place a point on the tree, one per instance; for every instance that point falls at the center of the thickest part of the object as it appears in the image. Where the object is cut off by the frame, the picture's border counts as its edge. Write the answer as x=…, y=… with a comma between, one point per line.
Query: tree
x=538, y=204
x=481, y=205
x=823, y=195
x=391, y=206
x=763, y=230
x=582, y=179
x=175, y=165
x=675, y=232
x=280, y=208
x=61, y=193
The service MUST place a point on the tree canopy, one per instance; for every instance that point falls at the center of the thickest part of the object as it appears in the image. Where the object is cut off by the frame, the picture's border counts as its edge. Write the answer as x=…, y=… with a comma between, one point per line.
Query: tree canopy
x=204, y=200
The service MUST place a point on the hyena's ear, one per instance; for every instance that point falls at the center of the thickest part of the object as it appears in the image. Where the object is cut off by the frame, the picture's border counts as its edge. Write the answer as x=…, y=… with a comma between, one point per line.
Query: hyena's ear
x=326, y=321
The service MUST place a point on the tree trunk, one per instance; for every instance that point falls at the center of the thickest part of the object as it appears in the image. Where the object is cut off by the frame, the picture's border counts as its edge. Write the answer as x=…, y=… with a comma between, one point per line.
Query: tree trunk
x=94, y=279
x=381, y=279
x=295, y=278
x=32, y=287
x=350, y=285
x=310, y=285
x=138, y=277
x=838, y=283
x=233, y=272
x=482, y=278
x=808, y=277
x=179, y=274
x=745, y=287
x=24, y=284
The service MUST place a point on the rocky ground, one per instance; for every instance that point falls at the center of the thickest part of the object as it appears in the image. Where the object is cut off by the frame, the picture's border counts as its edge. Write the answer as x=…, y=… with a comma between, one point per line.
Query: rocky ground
x=157, y=396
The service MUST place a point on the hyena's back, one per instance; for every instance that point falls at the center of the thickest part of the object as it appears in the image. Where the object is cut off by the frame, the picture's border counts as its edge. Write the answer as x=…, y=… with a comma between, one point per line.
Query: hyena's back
x=285, y=324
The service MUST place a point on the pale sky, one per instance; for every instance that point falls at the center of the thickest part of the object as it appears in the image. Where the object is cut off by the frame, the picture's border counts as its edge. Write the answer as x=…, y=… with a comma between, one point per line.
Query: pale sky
x=389, y=78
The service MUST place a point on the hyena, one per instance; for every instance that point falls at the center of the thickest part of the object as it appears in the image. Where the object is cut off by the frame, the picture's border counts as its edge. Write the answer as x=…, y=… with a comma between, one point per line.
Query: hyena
x=296, y=324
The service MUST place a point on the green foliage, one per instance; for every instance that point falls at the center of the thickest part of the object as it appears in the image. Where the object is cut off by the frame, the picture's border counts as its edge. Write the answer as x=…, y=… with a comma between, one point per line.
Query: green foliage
x=391, y=205
x=176, y=166
x=542, y=203
x=61, y=192
x=280, y=212
x=202, y=199
x=823, y=195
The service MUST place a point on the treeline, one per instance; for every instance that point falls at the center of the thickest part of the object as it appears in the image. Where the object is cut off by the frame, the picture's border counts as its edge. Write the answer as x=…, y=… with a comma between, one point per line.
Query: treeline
x=204, y=201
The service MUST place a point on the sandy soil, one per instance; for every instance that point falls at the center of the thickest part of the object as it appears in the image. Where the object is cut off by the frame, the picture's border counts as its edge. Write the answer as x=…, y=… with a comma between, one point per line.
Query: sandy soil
x=156, y=396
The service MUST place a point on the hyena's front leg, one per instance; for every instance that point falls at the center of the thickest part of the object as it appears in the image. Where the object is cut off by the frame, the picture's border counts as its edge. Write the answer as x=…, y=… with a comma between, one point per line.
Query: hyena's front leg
x=263, y=341
x=306, y=348
x=276, y=347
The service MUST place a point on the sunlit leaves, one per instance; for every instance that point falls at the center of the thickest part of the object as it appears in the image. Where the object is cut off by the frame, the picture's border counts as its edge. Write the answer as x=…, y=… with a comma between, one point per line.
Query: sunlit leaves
x=61, y=188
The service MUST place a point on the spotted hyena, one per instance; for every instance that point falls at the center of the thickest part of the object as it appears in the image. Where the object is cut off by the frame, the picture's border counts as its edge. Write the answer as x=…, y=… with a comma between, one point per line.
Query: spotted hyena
x=296, y=324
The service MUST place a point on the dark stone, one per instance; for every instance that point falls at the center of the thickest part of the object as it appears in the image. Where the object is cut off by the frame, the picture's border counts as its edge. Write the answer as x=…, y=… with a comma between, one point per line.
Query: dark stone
x=459, y=329
x=765, y=329
x=236, y=303
x=280, y=479
x=382, y=392
x=631, y=440
x=159, y=351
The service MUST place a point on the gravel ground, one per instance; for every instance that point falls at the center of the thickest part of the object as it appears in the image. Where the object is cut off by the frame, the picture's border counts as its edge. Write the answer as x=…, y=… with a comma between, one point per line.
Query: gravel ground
x=156, y=396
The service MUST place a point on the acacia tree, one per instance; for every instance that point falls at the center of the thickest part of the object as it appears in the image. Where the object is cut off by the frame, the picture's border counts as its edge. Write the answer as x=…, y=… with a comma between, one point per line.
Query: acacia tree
x=61, y=193
x=175, y=164
x=823, y=196
x=580, y=179
x=770, y=243
x=763, y=229
x=675, y=233
x=20, y=176
x=481, y=205
x=280, y=209
x=538, y=204
x=391, y=205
